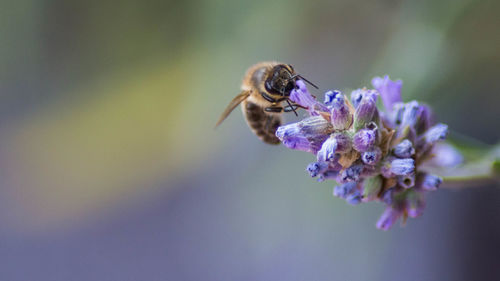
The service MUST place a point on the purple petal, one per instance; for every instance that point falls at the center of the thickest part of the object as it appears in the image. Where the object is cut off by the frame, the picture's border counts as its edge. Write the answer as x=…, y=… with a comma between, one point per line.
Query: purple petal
x=388, y=218
x=316, y=168
x=302, y=97
x=404, y=149
x=415, y=204
x=364, y=140
x=431, y=182
x=390, y=91
x=445, y=155
x=328, y=149
x=343, y=190
x=372, y=156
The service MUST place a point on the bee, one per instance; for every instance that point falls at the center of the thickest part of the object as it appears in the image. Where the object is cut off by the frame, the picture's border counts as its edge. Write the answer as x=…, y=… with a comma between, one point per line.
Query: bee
x=265, y=87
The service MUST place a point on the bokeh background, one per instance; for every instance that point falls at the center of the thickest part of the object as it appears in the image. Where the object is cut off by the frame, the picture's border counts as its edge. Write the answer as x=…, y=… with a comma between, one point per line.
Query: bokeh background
x=110, y=168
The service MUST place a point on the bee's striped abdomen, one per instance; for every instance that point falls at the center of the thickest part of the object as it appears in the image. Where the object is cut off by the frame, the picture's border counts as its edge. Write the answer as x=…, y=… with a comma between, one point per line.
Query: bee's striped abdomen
x=263, y=124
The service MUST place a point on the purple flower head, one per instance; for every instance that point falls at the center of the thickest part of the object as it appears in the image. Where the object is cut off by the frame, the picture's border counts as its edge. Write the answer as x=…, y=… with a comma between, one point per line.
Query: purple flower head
x=404, y=149
x=388, y=218
x=344, y=189
x=390, y=91
x=374, y=155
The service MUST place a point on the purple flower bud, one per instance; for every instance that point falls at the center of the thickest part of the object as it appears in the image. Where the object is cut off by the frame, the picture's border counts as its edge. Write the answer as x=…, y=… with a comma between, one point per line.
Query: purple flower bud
x=354, y=198
x=336, y=143
x=406, y=181
x=328, y=149
x=341, y=117
x=415, y=204
x=344, y=189
x=306, y=135
x=351, y=174
x=436, y=133
x=403, y=167
x=371, y=188
x=316, y=125
x=399, y=167
x=372, y=156
x=404, y=149
x=328, y=174
x=390, y=91
x=424, y=119
x=431, y=182
x=356, y=97
x=388, y=196
x=397, y=113
x=445, y=155
x=291, y=136
x=344, y=143
x=316, y=168
x=364, y=140
x=388, y=218
x=366, y=110
x=358, y=94
x=302, y=96
x=411, y=113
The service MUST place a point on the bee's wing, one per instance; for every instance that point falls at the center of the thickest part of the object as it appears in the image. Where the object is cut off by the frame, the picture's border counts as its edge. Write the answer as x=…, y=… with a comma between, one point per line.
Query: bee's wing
x=232, y=105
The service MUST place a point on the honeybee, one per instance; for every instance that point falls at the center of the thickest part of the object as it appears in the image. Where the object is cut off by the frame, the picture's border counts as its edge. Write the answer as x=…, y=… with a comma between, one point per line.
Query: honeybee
x=265, y=87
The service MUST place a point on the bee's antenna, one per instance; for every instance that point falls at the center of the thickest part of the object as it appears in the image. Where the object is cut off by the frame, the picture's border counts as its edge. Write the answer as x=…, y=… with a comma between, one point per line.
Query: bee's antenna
x=309, y=82
x=289, y=104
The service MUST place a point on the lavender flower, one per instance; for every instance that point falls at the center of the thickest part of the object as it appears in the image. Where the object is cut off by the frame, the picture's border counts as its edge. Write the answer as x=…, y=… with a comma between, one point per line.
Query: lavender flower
x=404, y=149
x=341, y=118
x=373, y=155
x=389, y=90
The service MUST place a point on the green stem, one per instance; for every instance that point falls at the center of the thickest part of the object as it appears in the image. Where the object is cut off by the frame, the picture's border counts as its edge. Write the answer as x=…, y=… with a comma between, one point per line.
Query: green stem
x=481, y=167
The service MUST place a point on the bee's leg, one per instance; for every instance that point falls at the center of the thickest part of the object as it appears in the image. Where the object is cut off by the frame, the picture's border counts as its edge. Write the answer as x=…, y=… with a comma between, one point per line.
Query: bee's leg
x=276, y=109
x=293, y=107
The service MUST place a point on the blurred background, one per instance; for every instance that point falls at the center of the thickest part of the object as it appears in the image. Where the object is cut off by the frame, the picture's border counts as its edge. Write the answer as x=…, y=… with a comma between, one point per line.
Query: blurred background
x=110, y=168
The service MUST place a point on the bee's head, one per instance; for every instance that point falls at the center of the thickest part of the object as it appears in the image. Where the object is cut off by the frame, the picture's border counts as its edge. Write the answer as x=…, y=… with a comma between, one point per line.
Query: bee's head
x=281, y=80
